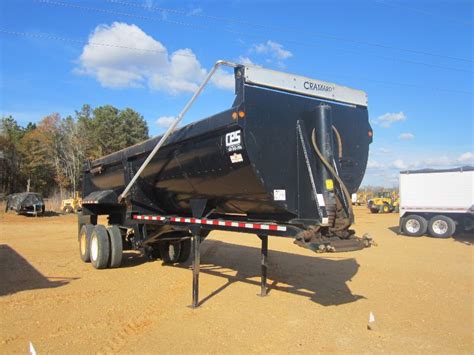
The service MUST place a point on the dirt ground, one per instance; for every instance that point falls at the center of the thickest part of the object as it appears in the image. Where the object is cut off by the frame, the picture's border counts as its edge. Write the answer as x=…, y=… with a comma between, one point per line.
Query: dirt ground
x=419, y=289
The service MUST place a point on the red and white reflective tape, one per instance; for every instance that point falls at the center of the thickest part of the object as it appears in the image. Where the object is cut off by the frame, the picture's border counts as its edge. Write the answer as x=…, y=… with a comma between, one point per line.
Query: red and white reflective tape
x=149, y=218
x=89, y=202
x=214, y=222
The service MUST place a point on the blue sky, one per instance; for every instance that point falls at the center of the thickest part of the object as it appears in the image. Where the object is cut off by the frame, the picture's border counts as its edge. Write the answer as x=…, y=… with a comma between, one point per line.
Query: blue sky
x=413, y=58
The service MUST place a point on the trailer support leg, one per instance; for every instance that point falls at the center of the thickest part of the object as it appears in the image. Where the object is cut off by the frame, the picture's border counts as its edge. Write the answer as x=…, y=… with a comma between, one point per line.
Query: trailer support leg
x=264, y=265
x=196, y=265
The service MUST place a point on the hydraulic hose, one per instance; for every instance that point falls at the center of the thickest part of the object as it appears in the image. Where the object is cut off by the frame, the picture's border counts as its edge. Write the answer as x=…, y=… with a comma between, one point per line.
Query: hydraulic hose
x=339, y=142
x=335, y=175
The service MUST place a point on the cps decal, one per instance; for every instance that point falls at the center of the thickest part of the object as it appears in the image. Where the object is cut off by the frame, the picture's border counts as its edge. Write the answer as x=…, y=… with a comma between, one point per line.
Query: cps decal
x=233, y=141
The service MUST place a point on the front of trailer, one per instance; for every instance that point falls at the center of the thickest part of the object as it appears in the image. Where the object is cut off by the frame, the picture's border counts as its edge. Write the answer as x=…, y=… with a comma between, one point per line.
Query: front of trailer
x=308, y=141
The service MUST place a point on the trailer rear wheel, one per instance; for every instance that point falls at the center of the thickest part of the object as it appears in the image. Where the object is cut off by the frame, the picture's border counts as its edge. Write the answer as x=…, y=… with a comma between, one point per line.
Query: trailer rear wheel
x=441, y=227
x=414, y=225
x=169, y=251
x=185, y=250
x=84, y=242
x=100, y=247
x=116, y=246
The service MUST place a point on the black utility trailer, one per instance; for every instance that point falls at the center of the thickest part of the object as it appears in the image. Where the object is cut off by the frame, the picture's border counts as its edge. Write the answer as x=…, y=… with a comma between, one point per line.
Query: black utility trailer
x=281, y=161
x=27, y=203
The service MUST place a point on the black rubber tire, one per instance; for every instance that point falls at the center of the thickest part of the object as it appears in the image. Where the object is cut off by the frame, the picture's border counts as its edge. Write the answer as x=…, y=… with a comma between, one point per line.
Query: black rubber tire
x=170, y=251
x=385, y=208
x=444, y=221
x=68, y=209
x=413, y=219
x=100, y=247
x=84, y=239
x=152, y=252
x=116, y=246
x=185, y=251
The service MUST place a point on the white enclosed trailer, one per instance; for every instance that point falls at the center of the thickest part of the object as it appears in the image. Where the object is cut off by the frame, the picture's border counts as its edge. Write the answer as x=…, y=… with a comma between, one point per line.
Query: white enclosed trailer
x=436, y=201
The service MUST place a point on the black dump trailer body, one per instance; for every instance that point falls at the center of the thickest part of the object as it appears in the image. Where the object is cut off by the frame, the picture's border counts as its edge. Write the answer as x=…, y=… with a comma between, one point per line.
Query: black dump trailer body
x=256, y=162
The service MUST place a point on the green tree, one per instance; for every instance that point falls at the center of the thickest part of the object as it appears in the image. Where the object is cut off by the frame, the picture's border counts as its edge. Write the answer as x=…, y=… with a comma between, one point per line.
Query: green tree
x=11, y=133
x=38, y=159
x=134, y=127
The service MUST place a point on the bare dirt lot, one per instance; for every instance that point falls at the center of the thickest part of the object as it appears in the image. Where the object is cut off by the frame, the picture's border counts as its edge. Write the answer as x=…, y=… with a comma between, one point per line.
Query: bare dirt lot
x=419, y=289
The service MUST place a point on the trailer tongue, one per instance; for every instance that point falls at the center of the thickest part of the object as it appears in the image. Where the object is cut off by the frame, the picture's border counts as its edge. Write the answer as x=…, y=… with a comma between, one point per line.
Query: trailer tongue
x=282, y=160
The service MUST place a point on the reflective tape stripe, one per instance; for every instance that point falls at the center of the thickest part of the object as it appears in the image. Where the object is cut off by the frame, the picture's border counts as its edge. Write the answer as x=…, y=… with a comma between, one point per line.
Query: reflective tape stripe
x=214, y=222
x=321, y=202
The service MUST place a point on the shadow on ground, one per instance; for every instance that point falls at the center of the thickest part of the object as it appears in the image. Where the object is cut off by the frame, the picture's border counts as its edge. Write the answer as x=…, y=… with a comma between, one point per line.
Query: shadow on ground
x=466, y=238
x=462, y=237
x=319, y=278
x=17, y=274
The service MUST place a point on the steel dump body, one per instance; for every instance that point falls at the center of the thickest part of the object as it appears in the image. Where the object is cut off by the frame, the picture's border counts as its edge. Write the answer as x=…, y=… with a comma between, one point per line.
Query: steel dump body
x=254, y=165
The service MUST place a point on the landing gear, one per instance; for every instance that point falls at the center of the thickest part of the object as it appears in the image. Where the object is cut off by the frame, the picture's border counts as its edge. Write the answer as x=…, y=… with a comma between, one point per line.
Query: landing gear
x=196, y=243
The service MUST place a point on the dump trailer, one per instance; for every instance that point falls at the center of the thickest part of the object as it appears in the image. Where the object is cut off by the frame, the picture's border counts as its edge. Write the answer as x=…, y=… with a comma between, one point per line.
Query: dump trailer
x=283, y=161
x=436, y=201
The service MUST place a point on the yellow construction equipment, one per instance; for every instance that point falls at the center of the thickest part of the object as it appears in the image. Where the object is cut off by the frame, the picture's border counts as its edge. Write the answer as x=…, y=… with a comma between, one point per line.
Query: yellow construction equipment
x=384, y=202
x=72, y=205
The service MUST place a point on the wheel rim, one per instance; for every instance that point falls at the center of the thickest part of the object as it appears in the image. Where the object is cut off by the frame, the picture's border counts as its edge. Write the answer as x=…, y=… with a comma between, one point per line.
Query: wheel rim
x=173, y=251
x=440, y=226
x=83, y=243
x=413, y=226
x=94, y=248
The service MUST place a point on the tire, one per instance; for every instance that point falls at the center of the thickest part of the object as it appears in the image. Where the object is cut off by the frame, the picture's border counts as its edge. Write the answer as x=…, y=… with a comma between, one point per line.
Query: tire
x=414, y=225
x=385, y=208
x=84, y=242
x=100, y=247
x=68, y=209
x=441, y=227
x=185, y=250
x=152, y=253
x=170, y=251
x=116, y=246
x=374, y=210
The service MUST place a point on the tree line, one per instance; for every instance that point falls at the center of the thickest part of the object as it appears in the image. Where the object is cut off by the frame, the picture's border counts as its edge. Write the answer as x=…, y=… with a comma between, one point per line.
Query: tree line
x=48, y=156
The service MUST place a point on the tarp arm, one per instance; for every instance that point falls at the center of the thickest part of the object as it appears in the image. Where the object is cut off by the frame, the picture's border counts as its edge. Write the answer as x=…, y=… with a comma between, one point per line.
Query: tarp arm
x=173, y=125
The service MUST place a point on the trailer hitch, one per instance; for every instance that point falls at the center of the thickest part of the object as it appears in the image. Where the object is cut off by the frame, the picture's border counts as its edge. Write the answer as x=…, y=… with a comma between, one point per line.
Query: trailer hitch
x=321, y=244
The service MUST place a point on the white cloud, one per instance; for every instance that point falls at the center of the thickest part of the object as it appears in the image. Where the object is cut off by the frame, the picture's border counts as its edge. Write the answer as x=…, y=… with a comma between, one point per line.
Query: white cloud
x=388, y=118
x=406, y=136
x=223, y=80
x=152, y=66
x=384, y=150
x=195, y=11
x=467, y=157
x=274, y=50
x=399, y=164
x=245, y=61
x=372, y=164
x=183, y=73
x=165, y=121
